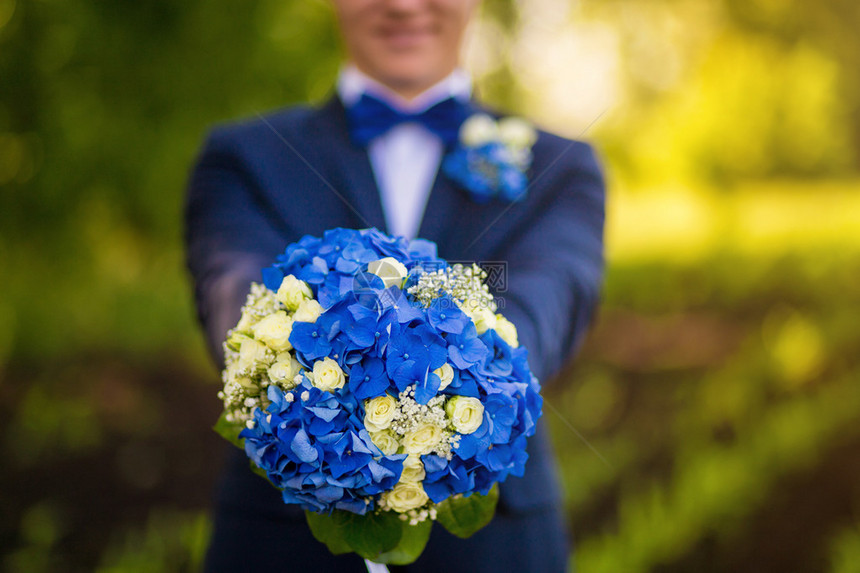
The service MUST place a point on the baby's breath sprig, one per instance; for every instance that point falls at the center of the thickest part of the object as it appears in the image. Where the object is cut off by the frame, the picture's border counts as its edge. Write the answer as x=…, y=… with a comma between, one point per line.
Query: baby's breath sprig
x=414, y=424
x=246, y=380
x=416, y=516
x=460, y=282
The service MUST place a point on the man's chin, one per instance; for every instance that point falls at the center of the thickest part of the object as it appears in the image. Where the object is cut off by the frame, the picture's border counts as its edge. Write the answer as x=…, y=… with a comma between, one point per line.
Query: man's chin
x=405, y=77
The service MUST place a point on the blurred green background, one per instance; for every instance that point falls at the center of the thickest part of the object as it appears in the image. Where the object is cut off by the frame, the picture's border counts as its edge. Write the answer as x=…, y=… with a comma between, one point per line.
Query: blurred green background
x=712, y=421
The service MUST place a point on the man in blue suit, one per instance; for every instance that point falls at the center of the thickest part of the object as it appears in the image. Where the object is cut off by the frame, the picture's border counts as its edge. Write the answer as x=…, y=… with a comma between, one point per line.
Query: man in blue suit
x=260, y=185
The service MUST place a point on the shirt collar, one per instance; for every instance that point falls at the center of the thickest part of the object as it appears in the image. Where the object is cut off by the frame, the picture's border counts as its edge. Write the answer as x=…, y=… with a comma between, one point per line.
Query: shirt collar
x=352, y=83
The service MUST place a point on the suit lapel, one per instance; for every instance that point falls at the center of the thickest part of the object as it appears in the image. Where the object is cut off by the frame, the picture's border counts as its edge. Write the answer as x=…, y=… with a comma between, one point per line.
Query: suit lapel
x=462, y=229
x=442, y=204
x=442, y=214
x=349, y=167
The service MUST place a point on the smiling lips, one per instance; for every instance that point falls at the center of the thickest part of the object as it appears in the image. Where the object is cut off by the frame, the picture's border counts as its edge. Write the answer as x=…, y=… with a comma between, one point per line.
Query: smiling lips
x=402, y=38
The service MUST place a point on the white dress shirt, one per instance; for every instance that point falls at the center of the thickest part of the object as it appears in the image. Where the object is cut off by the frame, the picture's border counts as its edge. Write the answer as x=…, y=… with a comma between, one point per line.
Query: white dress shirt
x=406, y=158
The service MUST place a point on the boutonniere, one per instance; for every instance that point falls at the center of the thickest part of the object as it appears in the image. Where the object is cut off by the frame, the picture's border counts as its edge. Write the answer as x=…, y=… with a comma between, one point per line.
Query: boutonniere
x=492, y=157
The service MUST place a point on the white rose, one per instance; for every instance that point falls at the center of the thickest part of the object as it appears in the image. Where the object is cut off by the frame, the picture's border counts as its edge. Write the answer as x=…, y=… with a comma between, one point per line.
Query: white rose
x=466, y=413
x=379, y=412
x=482, y=316
x=405, y=496
x=274, y=331
x=309, y=311
x=246, y=322
x=517, y=132
x=283, y=371
x=422, y=440
x=327, y=375
x=506, y=330
x=446, y=374
x=484, y=319
x=234, y=339
x=386, y=441
x=413, y=470
x=293, y=291
x=478, y=130
x=253, y=355
x=520, y=156
x=390, y=270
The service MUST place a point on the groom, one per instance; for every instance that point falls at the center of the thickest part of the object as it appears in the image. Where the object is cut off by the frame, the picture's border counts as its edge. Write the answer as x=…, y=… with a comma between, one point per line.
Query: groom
x=370, y=157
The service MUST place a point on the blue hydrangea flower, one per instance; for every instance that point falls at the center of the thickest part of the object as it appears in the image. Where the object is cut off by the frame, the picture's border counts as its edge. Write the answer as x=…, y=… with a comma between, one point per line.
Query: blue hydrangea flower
x=445, y=316
x=368, y=379
x=486, y=172
x=313, y=446
x=412, y=353
x=466, y=349
x=498, y=361
x=329, y=263
x=446, y=478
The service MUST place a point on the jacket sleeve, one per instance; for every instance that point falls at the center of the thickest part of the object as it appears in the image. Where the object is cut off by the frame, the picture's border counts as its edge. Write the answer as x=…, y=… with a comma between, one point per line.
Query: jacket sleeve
x=228, y=235
x=555, y=268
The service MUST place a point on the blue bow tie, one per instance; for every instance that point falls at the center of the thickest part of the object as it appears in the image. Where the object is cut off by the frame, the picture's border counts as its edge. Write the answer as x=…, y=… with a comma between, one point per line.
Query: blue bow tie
x=370, y=117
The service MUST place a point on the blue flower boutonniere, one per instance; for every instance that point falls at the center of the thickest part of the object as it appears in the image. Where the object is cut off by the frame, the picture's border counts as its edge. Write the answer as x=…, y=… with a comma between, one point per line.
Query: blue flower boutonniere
x=492, y=157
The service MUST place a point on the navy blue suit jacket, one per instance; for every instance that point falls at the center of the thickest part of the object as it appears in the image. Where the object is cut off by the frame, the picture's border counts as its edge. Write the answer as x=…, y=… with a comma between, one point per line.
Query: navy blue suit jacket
x=261, y=184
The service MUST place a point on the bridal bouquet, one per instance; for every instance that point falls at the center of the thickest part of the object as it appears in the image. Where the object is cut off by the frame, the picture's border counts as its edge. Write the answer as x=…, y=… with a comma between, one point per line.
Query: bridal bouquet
x=375, y=386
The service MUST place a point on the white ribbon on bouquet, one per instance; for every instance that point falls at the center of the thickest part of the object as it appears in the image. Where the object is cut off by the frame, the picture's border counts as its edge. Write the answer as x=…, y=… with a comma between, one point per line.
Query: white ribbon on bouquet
x=375, y=567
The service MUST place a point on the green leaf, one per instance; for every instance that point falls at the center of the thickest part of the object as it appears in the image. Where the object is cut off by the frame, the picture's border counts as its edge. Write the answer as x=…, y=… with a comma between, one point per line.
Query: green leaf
x=229, y=431
x=412, y=543
x=369, y=535
x=463, y=516
x=329, y=529
x=373, y=534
